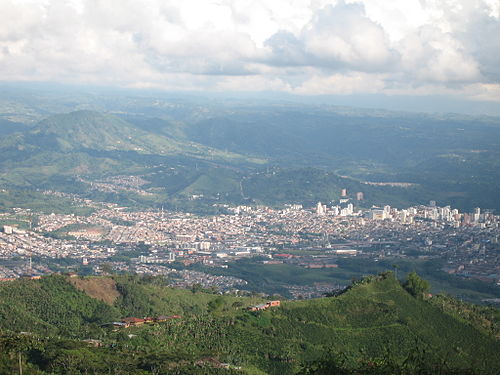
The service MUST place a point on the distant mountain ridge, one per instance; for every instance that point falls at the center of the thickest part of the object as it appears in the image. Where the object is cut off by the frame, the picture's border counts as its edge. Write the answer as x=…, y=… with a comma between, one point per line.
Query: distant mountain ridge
x=93, y=143
x=220, y=152
x=104, y=132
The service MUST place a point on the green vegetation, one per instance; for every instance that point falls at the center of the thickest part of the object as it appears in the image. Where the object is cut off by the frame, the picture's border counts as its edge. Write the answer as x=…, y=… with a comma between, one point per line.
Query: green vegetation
x=218, y=152
x=310, y=185
x=51, y=154
x=272, y=278
x=51, y=306
x=375, y=327
x=38, y=202
x=486, y=318
x=451, y=158
x=416, y=286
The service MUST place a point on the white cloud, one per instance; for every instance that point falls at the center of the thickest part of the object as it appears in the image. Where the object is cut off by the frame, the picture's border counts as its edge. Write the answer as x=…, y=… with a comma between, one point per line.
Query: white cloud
x=431, y=55
x=306, y=46
x=337, y=37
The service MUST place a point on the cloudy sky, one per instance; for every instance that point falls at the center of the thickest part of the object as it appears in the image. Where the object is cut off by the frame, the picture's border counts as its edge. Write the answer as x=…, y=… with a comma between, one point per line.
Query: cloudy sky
x=394, y=47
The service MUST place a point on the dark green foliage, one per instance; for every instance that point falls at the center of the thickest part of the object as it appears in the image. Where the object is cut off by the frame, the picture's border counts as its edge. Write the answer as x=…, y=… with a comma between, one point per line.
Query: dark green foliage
x=374, y=327
x=486, y=318
x=310, y=185
x=440, y=154
x=419, y=361
x=416, y=286
x=51, y=306
x=272, y=278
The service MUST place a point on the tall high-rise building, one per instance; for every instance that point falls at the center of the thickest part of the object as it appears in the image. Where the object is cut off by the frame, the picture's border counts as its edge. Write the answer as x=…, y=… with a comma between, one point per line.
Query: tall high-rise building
x=360, y=196
x=350, y=209
x=376, y=214
x=403, y=216
x=320, y=209
x=7, y=229
x=477, y=214
x=343, y=193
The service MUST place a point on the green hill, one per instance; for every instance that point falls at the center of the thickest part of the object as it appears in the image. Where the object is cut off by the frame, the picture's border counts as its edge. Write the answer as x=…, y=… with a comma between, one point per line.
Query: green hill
x=52, y=153
x=219, y=153
x=374, y=327
x=87, y=130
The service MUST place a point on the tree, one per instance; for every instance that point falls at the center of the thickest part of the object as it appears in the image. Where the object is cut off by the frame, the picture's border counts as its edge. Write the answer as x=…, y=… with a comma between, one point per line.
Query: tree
x=415, y=285
x=196, y=287
x=107, y=268
x=216, y=304
x=13, y=344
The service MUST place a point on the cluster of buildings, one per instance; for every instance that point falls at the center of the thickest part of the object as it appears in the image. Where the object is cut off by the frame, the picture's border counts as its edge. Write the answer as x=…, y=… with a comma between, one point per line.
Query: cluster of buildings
x=149, y=242
x=118, y=184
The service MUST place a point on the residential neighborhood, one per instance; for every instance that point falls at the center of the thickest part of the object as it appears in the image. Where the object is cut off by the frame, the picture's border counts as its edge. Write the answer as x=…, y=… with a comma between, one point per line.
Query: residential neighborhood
x=152, y=242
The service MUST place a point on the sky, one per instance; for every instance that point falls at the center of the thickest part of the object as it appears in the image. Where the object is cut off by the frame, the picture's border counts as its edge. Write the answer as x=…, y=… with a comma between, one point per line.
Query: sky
x=413, y=48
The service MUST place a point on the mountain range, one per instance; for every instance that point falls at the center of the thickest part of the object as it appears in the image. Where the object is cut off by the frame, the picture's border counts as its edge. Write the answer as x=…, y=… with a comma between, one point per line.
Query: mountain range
x=254, y=153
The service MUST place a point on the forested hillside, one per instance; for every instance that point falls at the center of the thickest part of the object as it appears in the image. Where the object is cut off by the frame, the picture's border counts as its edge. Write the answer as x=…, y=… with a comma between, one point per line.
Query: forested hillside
x=376, y=326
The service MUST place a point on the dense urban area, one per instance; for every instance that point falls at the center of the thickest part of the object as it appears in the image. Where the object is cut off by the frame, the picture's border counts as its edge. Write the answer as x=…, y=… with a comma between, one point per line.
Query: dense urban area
x=116, y=239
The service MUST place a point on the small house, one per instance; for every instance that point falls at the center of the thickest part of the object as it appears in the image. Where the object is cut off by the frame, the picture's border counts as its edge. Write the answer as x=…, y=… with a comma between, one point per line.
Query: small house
x=161, y=318
x=131, y=321
x=259, y=307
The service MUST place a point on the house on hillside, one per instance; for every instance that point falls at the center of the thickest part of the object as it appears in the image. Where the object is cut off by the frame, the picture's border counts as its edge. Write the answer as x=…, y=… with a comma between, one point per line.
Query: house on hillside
x=131, y=321
x=258, y=307
x=264, y=306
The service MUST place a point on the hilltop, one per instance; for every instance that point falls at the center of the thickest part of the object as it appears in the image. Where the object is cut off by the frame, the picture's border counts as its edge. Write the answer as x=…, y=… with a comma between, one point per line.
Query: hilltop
x=375, y=323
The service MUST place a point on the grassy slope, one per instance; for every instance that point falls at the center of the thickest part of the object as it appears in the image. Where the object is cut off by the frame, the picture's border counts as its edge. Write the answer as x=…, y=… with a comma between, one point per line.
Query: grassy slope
x=310, y=185
x=100, y=288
